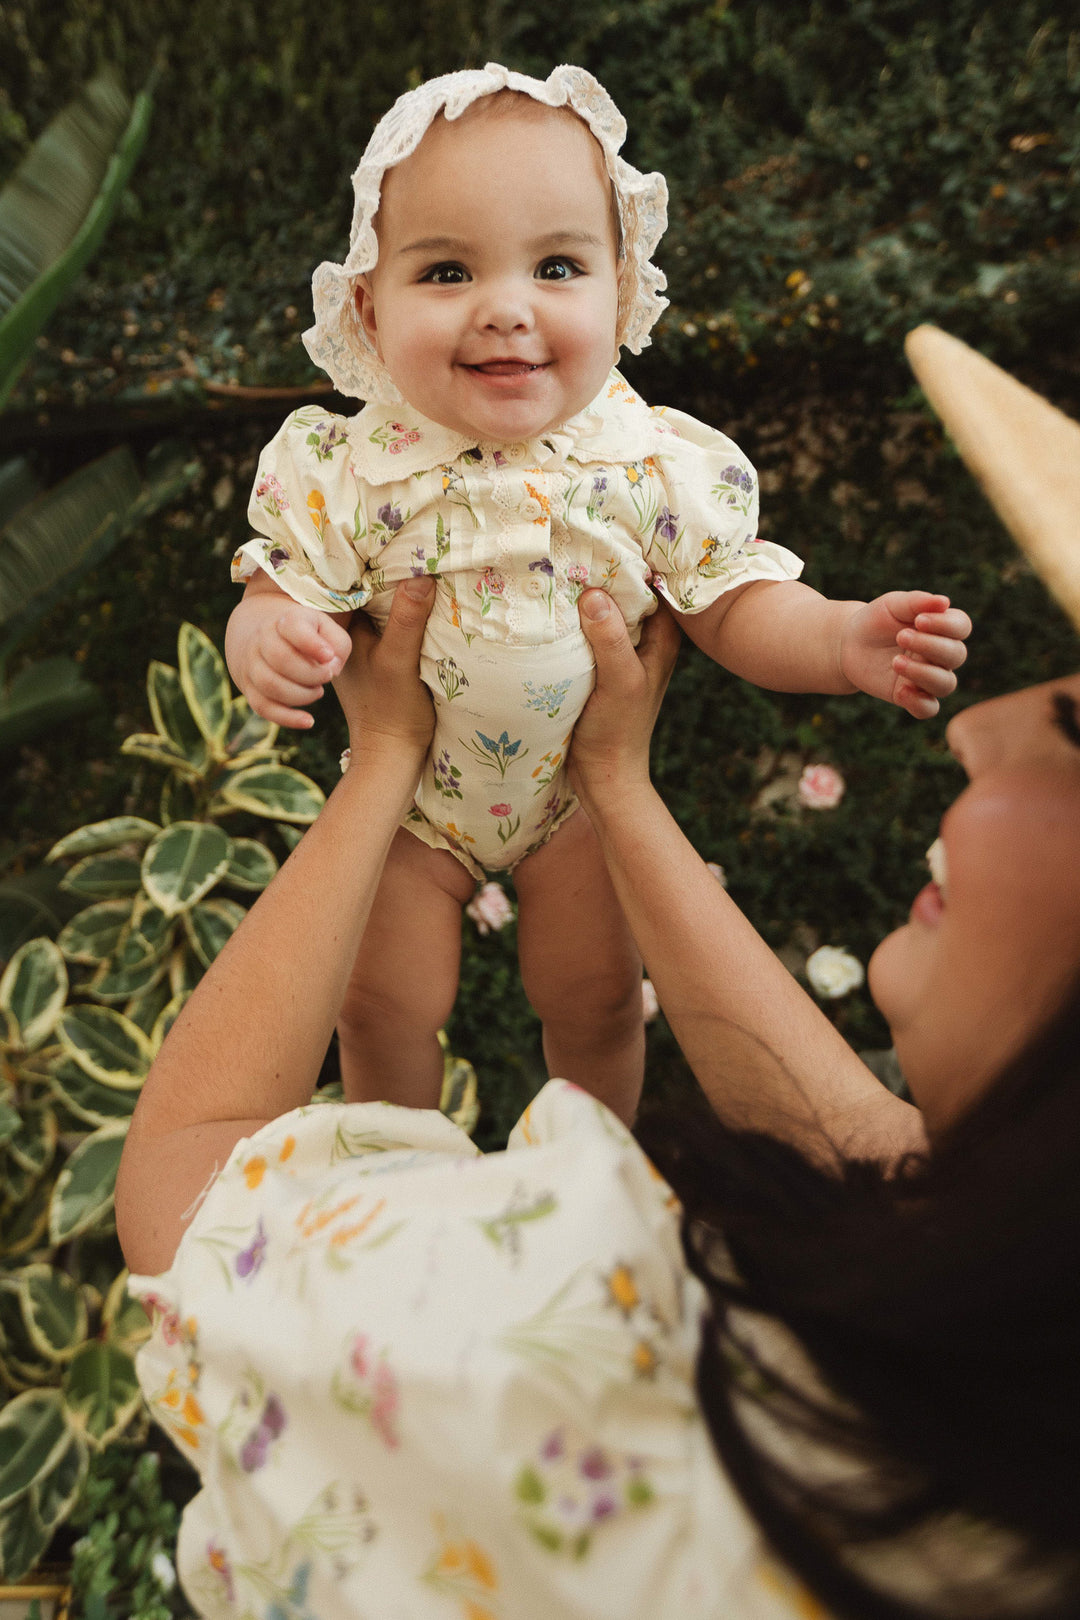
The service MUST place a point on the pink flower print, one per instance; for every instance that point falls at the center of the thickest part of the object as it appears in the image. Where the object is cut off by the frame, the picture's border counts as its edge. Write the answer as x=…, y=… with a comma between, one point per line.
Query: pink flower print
x=384, y=1405
x=553, y=1446
x=500, y=809
x=551, y=808
x=603, y=1507
x=821, y=787
x=218, y=1560
x=493, y=580
x=406, y=437
x=594, y=1463
x=359, y=1359
x=577, y=574
x=269, y=493
x=249, y=1260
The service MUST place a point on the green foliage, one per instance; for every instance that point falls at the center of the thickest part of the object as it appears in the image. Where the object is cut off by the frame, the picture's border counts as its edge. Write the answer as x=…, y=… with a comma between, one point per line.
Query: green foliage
x=74, y=1056
x=122, y=1564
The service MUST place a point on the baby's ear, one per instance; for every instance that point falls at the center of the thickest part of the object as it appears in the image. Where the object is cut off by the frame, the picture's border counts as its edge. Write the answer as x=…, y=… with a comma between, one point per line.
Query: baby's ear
x=365, y=311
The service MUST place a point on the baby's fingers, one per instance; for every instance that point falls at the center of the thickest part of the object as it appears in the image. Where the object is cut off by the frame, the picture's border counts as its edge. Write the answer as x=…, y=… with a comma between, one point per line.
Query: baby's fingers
x=944, y=651
x=931, y=681
x=309, y=635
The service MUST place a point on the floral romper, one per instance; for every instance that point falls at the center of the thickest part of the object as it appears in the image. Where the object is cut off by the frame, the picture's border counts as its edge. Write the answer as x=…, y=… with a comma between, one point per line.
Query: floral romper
x=621, y=496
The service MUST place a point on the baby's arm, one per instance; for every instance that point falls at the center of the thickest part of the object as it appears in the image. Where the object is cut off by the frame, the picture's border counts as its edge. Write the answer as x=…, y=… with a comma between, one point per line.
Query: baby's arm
x=281, y=654
x=903, y=646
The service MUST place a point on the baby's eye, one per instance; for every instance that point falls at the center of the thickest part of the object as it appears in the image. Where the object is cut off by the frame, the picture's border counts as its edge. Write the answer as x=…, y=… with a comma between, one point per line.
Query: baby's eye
x=557, y=269
x=446, y=275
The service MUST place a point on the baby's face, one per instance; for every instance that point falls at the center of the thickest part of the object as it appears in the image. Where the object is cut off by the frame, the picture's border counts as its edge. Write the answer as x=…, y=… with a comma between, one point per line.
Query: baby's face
x=494, y=301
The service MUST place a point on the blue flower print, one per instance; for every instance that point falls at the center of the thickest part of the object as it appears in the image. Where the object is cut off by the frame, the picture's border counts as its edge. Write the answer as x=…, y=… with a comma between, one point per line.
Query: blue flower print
x=498, y=753
x=736, y=488
x=547, y=699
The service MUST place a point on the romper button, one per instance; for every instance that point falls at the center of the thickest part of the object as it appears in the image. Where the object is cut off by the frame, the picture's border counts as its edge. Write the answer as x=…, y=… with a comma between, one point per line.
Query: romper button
x=514, y=452
x=531, y=509
x=534, y=585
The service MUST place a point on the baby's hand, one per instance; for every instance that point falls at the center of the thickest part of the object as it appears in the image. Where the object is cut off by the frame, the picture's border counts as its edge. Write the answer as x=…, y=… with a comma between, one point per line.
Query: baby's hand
x=904, y=647
x=281, y=655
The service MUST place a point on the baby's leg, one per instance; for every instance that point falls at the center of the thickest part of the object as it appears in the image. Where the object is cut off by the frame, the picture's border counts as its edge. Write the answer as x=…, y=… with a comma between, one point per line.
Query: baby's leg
x=405, y=978
x=580, y=967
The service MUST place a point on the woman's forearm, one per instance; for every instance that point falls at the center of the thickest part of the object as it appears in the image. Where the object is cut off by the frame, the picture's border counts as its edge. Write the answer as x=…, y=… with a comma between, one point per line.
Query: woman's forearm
x=764, y=1054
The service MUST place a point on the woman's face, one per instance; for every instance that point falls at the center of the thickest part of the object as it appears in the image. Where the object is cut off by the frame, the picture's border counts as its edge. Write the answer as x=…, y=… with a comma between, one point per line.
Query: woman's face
x=988, y=955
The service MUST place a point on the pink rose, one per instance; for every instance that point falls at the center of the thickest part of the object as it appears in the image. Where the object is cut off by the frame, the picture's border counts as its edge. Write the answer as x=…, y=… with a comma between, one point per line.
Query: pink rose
x=821, y=787
x=500, y=809
x=490, y=909
x=650, y=1006
x=718, y=872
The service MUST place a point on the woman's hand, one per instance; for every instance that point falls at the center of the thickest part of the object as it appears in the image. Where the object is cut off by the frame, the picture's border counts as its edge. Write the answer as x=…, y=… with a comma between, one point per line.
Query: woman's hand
x=611, y=739
x=384, y=700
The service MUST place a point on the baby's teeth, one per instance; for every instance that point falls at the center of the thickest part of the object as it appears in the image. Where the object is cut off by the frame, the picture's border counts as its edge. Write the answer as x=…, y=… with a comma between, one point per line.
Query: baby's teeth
x=935, y=859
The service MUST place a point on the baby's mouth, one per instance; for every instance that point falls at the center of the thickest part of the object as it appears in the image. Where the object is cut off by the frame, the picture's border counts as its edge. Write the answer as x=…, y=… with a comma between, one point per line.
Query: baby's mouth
x=508, y=368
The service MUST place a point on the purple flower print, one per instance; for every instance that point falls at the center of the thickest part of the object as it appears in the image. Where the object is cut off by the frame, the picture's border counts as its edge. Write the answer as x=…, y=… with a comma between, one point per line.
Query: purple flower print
x=599, y=488
x=256, y=1447
x=738, y=478
x=543, y=566
x=594, y=1463
x=446, y=775
x=418, y=570
x=277, y=557
x=390, y=517
x=249, y=1260
x=553, y=1446
x=667, y=525
x=603, y=1507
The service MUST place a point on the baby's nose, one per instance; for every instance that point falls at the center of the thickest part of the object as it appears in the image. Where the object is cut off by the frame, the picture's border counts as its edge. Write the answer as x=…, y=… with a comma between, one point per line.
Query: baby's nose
x=506, y=309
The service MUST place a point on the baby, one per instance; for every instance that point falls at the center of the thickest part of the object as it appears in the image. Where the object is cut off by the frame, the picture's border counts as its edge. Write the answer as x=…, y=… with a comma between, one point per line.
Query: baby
x=499, y=259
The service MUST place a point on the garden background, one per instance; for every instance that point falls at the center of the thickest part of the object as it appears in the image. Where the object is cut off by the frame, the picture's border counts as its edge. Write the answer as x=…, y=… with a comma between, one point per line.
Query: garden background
x=839, y=170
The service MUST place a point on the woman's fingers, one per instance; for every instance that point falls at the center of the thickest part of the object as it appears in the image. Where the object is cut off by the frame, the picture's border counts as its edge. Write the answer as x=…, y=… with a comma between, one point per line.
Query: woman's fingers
x=399, y=645
x=380, y=688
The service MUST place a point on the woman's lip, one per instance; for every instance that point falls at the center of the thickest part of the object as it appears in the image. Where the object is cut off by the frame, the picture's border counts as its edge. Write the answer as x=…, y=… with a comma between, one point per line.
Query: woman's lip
x=928, y=905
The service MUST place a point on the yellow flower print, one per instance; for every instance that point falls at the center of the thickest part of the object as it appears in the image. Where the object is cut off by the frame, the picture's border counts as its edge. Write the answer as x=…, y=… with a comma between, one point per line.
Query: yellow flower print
x=312, y=1223
x=645, y=1360
x=650, y=466
x=462, y=1569
x=633, y=475
x=183, y=1414
x=254, y=1170
x=287, y=1148
x=617, y=387
x=545, y=504
x=345, y=1234
x=623, y=1289
x=455, y=835
x=317, y=511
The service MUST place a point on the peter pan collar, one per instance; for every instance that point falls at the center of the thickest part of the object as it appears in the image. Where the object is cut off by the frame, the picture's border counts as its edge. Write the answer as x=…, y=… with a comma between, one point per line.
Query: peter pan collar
x=392, y=442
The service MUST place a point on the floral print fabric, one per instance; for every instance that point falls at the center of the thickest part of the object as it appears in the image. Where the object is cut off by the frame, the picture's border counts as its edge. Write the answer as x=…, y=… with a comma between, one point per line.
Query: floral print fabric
x=621, y=496
x=423, y=1383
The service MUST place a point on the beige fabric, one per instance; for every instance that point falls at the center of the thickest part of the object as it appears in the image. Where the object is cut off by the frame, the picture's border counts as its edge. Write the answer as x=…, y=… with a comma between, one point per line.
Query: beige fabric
x=1024, y=452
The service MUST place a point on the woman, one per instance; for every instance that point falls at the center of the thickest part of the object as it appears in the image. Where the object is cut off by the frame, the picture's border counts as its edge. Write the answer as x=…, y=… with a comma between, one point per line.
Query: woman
x=420, y=1382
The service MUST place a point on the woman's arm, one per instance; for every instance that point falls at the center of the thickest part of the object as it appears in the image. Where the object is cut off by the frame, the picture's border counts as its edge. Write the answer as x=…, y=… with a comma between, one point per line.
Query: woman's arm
x=249, y=1043
x=766, y=1057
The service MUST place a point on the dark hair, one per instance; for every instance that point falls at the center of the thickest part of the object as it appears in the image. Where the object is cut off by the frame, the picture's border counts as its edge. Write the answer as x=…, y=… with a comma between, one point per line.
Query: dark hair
x=890, y=1367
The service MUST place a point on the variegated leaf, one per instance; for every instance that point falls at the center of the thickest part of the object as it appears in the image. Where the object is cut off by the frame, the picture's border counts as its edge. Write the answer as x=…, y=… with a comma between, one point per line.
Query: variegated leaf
x=86, y=1097
x=273, y=790
x=247, y=731
x=54, y=1311
x=172, y=715
x=102, y=1392
x=115, y=985
x=205, y=685
x=34, y=1143
x=99, y=835
x=183, y=863
x=104, y=877
x=33, y=989
x=56, y=1490
x=85, y=1187
x=167, y=1018
x=33, y=1432
x=178, y=800
x=210, y=924
x=106, y=1045
x=94, y=933
x=159, y=751
x=251, y=865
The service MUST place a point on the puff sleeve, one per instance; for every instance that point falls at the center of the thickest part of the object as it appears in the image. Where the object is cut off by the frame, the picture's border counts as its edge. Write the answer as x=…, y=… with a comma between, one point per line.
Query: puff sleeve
x=704, y=536
x=307, y=508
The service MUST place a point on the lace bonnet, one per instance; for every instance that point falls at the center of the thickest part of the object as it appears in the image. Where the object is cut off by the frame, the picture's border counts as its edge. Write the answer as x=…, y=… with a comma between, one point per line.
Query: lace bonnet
x=337, y=342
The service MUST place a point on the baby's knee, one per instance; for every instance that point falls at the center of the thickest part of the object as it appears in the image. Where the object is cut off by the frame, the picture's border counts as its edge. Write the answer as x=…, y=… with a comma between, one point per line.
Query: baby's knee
x=600, y=996
x=415, y=1009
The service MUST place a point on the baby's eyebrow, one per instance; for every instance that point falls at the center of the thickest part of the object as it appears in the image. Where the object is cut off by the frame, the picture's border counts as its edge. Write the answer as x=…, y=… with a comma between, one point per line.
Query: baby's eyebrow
x=568, y=238
x=435, y=244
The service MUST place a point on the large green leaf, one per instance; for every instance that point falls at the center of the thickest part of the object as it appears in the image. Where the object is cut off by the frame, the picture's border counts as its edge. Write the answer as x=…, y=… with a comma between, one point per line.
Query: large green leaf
x=106, y=1045
x=54, y=1311
x=56, y=208
x=94, y=933
x=251, y=865
x=183, y=863
x=104, y=877
x=205, y=683
x=33, y=989
x=86, y=1097
x=25, y=1228
x=172, y=714
x=102, y=1391
x=40, y=697
x=22, y=1541
x=99, y=835
x=247, y=731
x=115, y=984
x=273, y=790
x=145, y=1008
x=33, y=1144
x=85, y=1187
x=159, y=751
x=55, y=1492
x=33, y=1433
x=210, y=924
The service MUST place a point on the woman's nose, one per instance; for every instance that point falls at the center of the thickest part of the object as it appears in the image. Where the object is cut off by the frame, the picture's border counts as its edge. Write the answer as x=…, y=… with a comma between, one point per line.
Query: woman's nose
x=988, y=733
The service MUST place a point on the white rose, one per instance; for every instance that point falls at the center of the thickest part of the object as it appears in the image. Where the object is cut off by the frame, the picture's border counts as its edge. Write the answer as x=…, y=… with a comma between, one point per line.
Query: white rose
x=833, y=972
x=161, y=1568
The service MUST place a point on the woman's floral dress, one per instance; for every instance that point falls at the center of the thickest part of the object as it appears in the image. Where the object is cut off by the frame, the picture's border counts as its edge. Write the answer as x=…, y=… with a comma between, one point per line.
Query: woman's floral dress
x=620, y=496
x=420, y=1383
